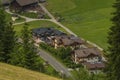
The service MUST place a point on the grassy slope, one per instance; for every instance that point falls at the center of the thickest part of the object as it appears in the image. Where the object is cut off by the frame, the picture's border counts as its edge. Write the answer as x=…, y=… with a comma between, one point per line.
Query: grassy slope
x=8, y=17
x=89, y=19
x=37, y=24
x=8, y=72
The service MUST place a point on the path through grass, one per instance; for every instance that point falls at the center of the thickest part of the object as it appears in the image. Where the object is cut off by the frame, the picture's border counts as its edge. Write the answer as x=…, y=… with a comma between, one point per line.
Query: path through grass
x=89, y=19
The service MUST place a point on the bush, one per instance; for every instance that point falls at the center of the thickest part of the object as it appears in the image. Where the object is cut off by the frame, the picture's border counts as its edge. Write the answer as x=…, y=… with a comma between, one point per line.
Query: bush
x=29, y=14
x=63, y=54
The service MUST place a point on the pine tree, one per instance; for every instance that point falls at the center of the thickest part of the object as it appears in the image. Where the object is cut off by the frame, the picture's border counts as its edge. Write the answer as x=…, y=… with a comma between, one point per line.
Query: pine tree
x=31, y=59
x=7, y=37
x=114, y=48
x=25, y=53
x=16, y=57
x=8, y=41
x=2, y=26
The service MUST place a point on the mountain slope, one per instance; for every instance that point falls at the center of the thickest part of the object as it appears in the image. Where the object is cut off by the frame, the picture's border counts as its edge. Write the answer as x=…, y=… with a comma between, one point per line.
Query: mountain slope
x=89, y=19
x=8, y=72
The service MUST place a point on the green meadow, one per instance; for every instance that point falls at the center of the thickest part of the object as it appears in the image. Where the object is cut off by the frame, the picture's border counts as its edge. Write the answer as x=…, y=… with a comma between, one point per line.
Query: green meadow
x=89, y=19
x=37, y=24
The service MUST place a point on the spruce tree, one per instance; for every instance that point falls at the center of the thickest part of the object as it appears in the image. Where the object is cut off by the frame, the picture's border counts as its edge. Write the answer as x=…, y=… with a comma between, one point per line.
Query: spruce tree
x=25, y=53
x=7, y=37
x=8, y=41
x=2, y=26
x=16, y=57
x=31, y=59
x=114, y=45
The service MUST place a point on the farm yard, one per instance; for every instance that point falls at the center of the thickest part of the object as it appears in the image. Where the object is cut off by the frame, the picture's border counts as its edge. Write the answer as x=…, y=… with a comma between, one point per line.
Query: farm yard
x=88, y=19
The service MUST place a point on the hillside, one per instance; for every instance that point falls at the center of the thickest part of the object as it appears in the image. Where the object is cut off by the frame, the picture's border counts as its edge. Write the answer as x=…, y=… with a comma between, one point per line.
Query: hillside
x=8, y=72
x=89, y=19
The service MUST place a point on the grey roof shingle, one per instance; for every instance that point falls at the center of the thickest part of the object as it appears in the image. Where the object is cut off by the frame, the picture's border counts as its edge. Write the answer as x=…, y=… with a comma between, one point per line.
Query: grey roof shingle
x=26, y=2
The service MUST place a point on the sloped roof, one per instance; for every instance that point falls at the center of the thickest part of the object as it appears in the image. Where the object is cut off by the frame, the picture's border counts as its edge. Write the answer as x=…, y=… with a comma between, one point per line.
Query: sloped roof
x=83, y=53
x=77, y=40
x=67, y=42
x=92, y=66
x=26, y=2
x=49, y=31
x=64, y=40
x=6, y=1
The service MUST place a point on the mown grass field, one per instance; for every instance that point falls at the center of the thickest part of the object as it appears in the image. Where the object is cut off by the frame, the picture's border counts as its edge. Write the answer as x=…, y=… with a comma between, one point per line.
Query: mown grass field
x=89, y=19
x=37, y=24
x=8, y=72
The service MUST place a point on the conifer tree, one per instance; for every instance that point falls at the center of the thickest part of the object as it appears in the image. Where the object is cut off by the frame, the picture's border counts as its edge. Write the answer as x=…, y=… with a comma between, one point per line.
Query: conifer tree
x=7, y=37
x=114, y=45
x=2, y=26
x=8, y=41
x=25, y=53
x=16, y=57
x=31, y=59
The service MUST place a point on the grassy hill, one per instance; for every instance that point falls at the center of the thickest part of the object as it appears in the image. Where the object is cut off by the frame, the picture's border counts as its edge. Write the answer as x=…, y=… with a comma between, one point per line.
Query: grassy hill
x=89, y=19
x=8, y=72
x=37, y=24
